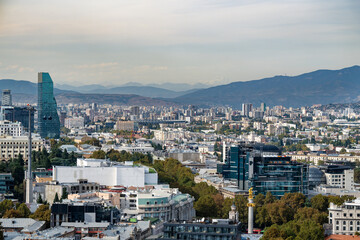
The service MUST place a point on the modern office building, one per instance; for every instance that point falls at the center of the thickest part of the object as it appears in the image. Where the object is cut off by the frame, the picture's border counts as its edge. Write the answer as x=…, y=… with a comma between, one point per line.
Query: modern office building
x=263, y=168
x=6, y=183
x=48, y=119
x=17, y=114
x=81, y=212
x=217, y=229
x=6, y=99
x=345, y=219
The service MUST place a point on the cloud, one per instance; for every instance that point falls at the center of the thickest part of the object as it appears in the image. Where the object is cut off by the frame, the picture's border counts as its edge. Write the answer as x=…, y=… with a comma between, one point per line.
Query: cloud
x=97, y=65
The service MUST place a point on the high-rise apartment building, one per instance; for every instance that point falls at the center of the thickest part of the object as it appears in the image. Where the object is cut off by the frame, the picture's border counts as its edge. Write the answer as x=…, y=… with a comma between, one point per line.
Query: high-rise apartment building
x=246, y=109
x=48, y=118
x=263, y=168
x=6, y=99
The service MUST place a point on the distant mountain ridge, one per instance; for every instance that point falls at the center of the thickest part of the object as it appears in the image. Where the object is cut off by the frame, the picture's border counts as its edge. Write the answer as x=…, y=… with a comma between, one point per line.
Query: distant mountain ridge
x=318, y=87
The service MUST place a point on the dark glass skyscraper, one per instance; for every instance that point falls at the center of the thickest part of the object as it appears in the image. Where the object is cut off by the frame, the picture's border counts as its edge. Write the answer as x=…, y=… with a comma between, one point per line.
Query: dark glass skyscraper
x=48, y=118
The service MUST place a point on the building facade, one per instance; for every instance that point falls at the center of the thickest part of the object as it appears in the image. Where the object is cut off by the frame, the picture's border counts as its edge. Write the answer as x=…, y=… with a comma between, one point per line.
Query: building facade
x=6, y=99
x=221, y=229
x=8, y=128
x=106, y=173
x=18, y=114
x=48, y=118
x=12, y=147
x=164, y=204
x=124, y=125
x=6, y=183
x=76, y=122
x=345, y=219
x=263, y=168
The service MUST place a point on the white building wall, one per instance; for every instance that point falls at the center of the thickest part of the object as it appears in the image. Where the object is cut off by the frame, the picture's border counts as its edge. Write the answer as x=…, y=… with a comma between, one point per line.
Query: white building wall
x=109, y=176
x=151, y=178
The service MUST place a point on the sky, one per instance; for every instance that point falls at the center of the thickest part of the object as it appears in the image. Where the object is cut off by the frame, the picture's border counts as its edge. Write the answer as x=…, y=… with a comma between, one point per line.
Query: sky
x=112, y=42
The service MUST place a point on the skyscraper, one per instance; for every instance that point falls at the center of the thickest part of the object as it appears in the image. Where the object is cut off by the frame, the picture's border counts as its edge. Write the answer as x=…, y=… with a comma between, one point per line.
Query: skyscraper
x=48, y=118
x=6, y=99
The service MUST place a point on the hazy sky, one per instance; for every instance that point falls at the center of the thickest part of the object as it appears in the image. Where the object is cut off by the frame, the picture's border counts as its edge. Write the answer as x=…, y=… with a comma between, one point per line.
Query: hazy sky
x=209, y=41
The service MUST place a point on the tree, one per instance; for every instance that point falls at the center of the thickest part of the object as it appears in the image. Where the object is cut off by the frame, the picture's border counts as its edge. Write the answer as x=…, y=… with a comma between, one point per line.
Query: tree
x=294, y=200
x=23, y=210
x=269, y=198
x=100, y=154
x=205, y=207
x=308, y=213
x=280, y=213
x=343, y=151
x=39, y=199
x=12, y=213
x=56, y=198
x=64, y=194
x=6, y=205
x=320, y=202
x=42, y=213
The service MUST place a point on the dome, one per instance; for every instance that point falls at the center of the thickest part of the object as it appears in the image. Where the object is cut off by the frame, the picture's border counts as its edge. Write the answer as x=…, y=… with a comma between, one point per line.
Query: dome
x=316, y=177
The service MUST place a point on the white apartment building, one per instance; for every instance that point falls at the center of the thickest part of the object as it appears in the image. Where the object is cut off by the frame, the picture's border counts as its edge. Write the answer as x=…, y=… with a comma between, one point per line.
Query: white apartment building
x=164, y=203
x=345, y=219
x=8, y=128
x=11, y=147
x=342, y=180
x=75, y=122
x=106, y=173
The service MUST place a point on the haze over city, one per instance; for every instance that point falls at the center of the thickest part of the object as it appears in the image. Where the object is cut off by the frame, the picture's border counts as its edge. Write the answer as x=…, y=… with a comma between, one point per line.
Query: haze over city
x=212, y=42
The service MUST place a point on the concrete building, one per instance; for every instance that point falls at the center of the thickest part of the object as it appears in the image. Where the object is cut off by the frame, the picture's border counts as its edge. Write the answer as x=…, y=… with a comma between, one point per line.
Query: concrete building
x=124, y=125
x=345, y=219
x=6, y=99
x=339, y=176
x=106, y=173
x=81, y=186
x=8, y=128
x=11, y=147
x=75, y=122
x=166, y=204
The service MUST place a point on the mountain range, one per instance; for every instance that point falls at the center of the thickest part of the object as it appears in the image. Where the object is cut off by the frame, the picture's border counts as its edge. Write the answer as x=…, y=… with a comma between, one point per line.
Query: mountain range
x=318, y=87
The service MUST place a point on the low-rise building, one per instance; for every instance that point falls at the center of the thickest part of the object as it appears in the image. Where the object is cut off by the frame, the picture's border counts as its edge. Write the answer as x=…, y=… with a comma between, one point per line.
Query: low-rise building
x=165, y=204
x=107, y=173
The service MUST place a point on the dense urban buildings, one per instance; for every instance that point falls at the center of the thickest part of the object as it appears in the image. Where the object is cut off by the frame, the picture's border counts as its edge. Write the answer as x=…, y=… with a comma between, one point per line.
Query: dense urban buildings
x=48, y=118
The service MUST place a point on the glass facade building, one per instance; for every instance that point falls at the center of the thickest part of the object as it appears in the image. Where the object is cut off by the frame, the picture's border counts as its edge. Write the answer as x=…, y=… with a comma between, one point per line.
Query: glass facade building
x=202, y=231
x=19, y=114
x=48, y=118
x=264, y=169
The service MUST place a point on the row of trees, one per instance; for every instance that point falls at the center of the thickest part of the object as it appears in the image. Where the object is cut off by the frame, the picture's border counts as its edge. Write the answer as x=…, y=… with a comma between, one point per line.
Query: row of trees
x=10, y=210
x=291, y=217
x=123, y=156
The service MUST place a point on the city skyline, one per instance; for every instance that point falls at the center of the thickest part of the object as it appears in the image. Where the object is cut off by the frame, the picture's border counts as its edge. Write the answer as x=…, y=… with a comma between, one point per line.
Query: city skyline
x=210, y=42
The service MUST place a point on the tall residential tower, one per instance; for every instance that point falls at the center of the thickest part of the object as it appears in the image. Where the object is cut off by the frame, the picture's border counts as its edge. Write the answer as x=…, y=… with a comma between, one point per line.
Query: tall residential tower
x=48, y=118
